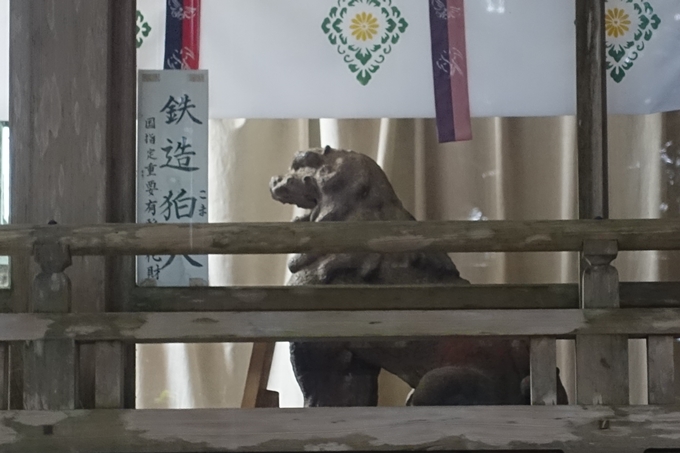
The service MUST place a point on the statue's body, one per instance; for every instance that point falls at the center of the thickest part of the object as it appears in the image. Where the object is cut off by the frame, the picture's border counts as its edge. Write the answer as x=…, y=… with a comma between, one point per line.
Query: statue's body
x=338, y=185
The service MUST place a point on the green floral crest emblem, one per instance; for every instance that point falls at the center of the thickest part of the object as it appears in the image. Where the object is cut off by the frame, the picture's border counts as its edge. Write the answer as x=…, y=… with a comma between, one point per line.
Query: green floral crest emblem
x=364, y=32
x=629, y=24
x=143, y=29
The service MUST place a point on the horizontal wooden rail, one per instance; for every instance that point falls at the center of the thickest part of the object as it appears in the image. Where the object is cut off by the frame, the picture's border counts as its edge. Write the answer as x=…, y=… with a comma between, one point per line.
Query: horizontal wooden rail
x=570, y=429
x=434, y=297
x=337, y=297
x=431, y=297
x=188, y=327
x=333, y=237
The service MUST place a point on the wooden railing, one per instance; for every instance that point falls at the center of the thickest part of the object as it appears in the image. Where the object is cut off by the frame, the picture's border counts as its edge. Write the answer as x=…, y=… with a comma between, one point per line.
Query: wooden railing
x=337, y=237
x=599, y=313
x=543, y=313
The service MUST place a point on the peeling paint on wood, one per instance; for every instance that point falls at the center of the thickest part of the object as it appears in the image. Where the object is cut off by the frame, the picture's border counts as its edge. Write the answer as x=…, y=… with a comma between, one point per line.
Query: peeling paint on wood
x=543, y=376
x=50, y=376
x=399, y=244
x=109, y=384
x=72, y=110
x=661, y=370
x=601, y=360
x=338, y=237
x=285, y=326
x=566, y=428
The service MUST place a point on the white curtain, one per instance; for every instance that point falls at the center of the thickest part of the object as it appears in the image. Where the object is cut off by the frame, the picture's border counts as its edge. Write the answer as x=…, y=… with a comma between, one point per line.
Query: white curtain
x=514, y=168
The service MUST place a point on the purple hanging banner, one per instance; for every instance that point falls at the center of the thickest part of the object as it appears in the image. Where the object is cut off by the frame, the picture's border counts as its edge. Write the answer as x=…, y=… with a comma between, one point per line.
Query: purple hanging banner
x=449, y=68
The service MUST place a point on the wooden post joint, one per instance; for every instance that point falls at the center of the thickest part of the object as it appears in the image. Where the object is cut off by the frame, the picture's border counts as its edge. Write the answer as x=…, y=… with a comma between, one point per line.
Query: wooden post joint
x=600, y=253
x=52, y=257
x=51, y=286
x=50, y=376
x=601, y=360
x=600, y=280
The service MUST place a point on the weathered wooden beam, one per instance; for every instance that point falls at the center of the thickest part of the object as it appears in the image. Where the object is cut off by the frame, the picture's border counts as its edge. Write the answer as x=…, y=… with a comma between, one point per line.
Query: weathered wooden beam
x=72, y=113
x=601, y=360
x=330, y=297
x=285, y=326
x=109, y=379
x=342, y=297
x=661, y=370
x=121, y=164
x=569, y=429
x=676, y=360
x=50, y=364
x=591, y=110
x=600, y=280
x=255, y=393
x=602, y=369
x=5, y=300
x=649, y=294
x=335, y=237
x=543, y=371
x=392, y=297
x=4, y=376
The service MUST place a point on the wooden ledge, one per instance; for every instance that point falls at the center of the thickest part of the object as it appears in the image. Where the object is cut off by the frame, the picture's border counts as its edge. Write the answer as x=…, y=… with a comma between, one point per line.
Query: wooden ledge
x=563, y=428
x=337, y=237
x=189, y=327
x=392, y=297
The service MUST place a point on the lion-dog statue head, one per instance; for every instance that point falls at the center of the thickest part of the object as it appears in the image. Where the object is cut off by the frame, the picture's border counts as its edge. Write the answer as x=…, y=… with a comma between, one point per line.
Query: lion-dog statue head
x=339, y=185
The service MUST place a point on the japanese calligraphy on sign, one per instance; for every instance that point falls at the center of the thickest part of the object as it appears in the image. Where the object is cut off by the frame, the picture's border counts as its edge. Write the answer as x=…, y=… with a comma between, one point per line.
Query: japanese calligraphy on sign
x=172, y=169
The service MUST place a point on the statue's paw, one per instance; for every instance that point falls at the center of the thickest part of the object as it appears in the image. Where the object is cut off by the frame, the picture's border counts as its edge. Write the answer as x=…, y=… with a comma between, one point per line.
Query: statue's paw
x=455, y=386
x=334, y=265
x=306, y=217
x=369, y=267
x=299, y=261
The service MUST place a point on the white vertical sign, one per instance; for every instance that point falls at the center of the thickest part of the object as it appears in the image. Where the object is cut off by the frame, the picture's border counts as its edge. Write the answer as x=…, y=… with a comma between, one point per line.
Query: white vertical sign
x=172, y=167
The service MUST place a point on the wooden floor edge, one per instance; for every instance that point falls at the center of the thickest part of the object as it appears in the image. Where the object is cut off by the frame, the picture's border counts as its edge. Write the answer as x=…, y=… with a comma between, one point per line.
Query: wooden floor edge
x=565, y=428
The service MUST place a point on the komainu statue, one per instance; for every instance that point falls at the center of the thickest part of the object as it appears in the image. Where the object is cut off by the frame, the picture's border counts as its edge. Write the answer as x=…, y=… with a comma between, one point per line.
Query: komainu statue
x=345, y=186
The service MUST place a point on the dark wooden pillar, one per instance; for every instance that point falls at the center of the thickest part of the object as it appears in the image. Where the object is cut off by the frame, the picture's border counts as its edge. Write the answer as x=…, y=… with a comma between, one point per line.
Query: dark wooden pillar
x=591, y=105
x=72, y=120
x=601, y=360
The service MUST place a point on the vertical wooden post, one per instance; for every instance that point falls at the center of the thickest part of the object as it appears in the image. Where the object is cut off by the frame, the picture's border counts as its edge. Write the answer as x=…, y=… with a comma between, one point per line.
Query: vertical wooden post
x=50, y=365
x=661, y=370
x=591, y=110
x=601, y=361
x=72, y=119
x=543, y=371
x=109, y=382
x=122, y=166
x=600, y=280
x=4, y=376
x=255, y=393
